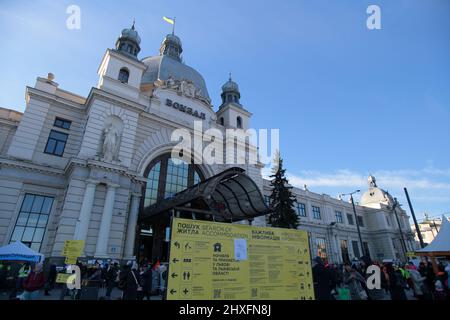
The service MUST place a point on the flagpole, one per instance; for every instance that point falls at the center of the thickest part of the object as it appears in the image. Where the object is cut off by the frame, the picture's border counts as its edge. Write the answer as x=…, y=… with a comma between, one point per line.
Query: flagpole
x=173, y=27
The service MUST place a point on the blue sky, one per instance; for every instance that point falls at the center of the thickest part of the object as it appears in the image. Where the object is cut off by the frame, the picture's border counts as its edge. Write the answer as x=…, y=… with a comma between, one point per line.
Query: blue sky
x=348, y=101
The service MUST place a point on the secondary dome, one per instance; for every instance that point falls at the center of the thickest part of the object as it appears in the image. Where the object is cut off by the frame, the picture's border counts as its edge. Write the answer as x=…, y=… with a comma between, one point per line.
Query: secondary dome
x=230, y=93
x=131, y=34
x=230, y=86
x=375, y=195
x=169, y=64
x=129, y=42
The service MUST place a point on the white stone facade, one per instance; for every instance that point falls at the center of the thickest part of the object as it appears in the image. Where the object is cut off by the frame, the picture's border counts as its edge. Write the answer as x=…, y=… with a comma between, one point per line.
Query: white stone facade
x=379, y=229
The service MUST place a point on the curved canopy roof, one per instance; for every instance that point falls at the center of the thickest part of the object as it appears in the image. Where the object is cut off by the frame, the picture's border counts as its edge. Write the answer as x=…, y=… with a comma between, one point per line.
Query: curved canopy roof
x=441, y=243
x=229, y=196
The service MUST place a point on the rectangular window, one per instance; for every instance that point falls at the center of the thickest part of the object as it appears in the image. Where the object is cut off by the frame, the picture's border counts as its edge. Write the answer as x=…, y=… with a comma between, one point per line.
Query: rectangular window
x=356, y=249
x=56, y=143
x=316, y=213
x=344, y=251
x=339, y=218
x=32, y=221
x=350, y=219
x=301, y=209
x=366, y=249
x=360, y=221
x=321, y=249
x=61, y=123
x=388, y=221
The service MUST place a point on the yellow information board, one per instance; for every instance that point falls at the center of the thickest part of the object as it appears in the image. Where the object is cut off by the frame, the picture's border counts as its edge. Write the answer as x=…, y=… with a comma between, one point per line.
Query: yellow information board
x=72, y=250
x=62, y=277
x=223, y=261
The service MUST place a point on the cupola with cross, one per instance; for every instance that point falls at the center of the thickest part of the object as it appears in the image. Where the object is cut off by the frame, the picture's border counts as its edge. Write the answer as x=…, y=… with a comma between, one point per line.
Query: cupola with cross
x=231, y=113
x=120, y=71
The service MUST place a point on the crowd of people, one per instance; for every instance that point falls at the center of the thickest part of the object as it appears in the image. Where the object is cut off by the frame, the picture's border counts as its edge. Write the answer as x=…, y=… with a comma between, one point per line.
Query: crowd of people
x=26, y=281
x=349, y=281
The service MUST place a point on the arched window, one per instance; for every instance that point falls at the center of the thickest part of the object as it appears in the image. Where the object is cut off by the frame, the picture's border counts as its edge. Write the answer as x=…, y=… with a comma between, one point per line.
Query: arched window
x=166, y=177
x=239, y=122
x=124, y=74
x=222, y=121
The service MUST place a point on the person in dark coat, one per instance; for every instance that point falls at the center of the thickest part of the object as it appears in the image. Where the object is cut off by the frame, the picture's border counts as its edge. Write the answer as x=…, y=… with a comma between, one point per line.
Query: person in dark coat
x=146, y=278
x=396, y=285
x=3, y=276
x=322, y=280
x=51, y=279
x=130, y=280
x=110, y=277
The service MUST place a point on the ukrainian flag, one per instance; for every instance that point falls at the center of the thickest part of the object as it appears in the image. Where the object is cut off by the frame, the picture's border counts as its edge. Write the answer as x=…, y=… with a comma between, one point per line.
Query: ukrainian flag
x=171, y=21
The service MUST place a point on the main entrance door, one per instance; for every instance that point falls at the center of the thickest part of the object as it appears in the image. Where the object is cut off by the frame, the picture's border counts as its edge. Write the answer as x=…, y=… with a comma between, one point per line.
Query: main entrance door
x=165, y=178
x=176, y=188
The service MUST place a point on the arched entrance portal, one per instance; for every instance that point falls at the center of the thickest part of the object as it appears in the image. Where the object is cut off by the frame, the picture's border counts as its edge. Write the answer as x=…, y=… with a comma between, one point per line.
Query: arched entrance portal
x=165, y=178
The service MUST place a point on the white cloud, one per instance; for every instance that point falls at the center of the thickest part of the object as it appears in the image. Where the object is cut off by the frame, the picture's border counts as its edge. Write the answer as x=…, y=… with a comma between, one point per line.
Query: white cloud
x=429, y=187
x=427, y=178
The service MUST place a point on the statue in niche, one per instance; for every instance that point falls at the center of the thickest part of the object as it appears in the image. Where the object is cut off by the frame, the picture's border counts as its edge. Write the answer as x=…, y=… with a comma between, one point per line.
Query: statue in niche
x=111, y=138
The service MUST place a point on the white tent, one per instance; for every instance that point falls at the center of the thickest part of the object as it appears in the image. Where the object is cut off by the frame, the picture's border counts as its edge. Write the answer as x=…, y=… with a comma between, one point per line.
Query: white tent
x=17, y=251
x=440, y=246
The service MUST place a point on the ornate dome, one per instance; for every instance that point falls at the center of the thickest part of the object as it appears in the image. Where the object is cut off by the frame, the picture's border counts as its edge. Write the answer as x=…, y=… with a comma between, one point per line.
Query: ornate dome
x=172, y=38
x=375, y=196
x=169, y=64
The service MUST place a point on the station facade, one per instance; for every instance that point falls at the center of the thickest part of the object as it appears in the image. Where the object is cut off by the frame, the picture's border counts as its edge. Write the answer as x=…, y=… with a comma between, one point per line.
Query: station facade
x=89, y=168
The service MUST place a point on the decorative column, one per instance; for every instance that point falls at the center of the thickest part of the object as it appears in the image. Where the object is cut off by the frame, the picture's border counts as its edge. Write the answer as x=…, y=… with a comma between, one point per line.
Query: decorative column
x=333, y=249
x=82, y=226
x=101, y=250
x=131, y=225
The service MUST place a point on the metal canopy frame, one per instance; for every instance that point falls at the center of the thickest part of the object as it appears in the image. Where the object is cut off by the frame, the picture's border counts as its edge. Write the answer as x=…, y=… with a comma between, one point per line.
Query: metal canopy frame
x=229, y=196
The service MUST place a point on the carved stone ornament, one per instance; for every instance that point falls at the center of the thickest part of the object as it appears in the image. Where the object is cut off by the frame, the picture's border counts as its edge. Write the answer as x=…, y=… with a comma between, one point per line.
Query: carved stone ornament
x=187, y=88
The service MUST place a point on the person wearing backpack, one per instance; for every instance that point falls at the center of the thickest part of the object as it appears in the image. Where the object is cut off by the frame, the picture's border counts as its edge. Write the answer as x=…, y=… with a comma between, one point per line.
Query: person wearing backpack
x=130, y=282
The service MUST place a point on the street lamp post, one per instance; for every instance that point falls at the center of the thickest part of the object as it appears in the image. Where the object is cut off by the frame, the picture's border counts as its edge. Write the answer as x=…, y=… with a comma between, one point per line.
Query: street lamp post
x=363, y=249
x=419, y=234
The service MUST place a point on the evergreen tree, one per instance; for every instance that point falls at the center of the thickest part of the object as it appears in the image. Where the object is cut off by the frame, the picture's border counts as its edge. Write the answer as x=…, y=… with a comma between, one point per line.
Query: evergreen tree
x=282, y=200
